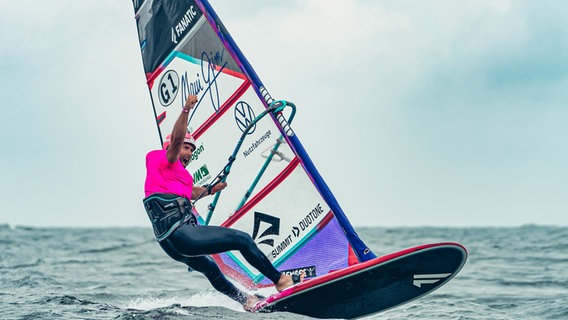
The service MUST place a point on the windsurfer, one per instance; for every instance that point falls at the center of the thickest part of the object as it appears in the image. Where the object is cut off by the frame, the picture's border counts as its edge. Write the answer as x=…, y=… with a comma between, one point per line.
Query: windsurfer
x=169, y=189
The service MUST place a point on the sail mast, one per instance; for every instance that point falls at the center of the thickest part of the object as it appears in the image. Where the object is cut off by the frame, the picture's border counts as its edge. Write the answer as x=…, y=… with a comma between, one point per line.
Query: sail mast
x=361, y=249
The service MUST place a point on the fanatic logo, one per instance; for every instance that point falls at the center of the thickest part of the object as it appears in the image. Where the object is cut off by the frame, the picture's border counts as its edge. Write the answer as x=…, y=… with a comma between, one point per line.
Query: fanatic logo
x=270, y=225
x=420, y=279
x=184, y=24
x=244, y=116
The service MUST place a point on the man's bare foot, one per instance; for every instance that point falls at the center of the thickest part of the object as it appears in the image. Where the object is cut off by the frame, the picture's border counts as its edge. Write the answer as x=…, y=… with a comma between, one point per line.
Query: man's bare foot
x=287, y=281
x=251, y=301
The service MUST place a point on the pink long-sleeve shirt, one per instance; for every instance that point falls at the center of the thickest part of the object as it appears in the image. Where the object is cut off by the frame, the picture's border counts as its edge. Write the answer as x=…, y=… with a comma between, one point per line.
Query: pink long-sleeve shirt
x=165, y=177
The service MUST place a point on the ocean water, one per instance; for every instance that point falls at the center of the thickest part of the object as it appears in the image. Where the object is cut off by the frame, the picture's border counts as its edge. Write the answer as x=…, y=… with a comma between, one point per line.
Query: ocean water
x=121, y=273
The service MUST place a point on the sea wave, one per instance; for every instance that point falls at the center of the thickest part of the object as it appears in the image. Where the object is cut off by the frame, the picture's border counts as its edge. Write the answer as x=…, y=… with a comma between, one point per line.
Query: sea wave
x=102, y=273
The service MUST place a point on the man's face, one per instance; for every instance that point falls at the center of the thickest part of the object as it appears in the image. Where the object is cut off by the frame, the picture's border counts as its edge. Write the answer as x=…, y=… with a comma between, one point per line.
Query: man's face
x=185, y=154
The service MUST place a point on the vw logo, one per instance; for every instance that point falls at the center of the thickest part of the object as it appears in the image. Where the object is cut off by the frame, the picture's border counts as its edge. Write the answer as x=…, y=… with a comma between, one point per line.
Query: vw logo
x=244, y=116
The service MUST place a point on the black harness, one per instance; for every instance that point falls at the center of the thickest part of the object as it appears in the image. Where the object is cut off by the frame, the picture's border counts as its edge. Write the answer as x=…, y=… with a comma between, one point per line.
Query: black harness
x=167, y=212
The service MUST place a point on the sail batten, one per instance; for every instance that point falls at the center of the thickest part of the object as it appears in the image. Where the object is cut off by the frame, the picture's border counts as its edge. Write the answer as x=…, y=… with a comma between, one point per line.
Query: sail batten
x=285, y=206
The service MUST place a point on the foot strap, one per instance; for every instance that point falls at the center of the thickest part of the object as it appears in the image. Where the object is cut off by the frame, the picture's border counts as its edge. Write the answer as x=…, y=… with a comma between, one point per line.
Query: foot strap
x=296, y=278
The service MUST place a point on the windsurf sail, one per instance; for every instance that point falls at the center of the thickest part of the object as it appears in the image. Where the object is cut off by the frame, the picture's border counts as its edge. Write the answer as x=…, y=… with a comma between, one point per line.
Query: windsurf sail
x=245, y=137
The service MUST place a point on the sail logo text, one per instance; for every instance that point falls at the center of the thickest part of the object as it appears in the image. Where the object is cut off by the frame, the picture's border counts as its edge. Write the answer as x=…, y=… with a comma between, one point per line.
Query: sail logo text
x=190, y=88
x=280, y=248
x=215, y=59
x=257, y=143
x=207, y=77
x=210, y=69
x=201, y=175
x=186, y=22
x=197, y=152
x=168, y=87
x=311, y=217
x=310, y=271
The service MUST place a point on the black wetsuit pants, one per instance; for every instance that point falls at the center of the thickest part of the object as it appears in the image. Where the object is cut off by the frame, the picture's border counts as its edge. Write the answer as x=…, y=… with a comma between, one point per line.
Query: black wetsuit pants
x=192, y=245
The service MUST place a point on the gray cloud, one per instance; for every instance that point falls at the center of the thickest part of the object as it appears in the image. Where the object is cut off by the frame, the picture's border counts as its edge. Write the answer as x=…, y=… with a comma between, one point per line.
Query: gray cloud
x=423, y=113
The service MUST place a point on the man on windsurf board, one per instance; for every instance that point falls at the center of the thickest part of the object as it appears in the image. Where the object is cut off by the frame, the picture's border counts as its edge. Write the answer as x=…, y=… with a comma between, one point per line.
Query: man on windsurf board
x=169, y=189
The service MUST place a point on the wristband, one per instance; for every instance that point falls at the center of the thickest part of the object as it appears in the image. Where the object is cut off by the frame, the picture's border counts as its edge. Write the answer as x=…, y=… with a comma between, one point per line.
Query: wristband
x=185, y=110
x=206, y=186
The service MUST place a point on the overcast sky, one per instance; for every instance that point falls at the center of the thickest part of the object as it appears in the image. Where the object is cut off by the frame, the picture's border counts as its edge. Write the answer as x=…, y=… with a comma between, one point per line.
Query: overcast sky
x=441, y=113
